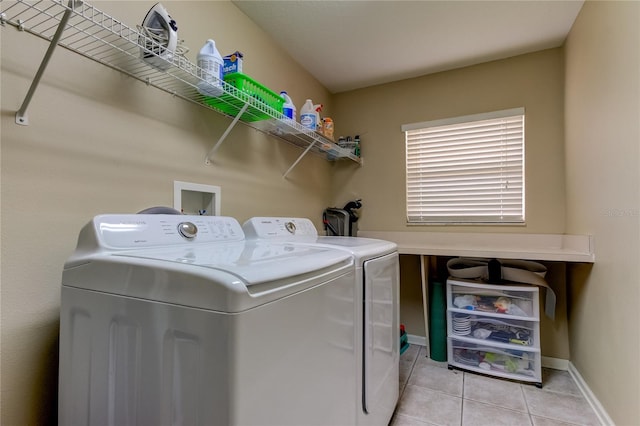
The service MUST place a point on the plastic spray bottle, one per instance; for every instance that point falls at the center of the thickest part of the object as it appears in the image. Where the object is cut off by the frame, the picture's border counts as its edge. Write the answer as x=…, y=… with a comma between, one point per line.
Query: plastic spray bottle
x=211, y=63
x=318, y=109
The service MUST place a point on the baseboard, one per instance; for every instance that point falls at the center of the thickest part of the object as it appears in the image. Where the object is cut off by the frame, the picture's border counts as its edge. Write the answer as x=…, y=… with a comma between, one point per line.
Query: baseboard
x=589, y=396
x=416, y=340
x=555, y=363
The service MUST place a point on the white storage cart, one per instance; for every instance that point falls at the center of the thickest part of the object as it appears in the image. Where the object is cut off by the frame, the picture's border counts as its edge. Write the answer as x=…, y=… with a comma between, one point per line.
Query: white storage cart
x=494, y=329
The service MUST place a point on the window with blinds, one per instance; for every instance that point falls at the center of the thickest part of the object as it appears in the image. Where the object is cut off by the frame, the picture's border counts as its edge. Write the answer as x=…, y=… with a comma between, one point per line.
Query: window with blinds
x=466, y=170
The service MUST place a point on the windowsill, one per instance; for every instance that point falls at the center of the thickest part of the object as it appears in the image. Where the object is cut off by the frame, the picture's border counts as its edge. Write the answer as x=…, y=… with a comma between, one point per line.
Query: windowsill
x=550, y=247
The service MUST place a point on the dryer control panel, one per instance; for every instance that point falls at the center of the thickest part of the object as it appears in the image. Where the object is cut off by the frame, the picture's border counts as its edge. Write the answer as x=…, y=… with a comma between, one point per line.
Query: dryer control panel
x=288, y=228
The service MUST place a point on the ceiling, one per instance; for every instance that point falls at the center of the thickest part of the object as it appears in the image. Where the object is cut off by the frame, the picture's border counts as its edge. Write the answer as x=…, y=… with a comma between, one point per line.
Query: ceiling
x=349, y=44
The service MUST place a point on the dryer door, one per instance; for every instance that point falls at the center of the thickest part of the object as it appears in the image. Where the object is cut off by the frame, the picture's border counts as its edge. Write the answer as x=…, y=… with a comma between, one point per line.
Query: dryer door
x=381, y=337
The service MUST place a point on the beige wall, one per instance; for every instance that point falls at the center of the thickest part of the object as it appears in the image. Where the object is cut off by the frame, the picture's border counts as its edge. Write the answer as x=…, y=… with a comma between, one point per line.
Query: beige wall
x=411, y=311
x=100, y=142
x=603, y=198
x=533, y=81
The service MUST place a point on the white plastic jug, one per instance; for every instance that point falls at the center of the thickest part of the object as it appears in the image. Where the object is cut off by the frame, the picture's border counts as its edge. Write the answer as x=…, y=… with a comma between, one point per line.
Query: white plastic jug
x=210, y=60
x=308, y=116
x=288, y=109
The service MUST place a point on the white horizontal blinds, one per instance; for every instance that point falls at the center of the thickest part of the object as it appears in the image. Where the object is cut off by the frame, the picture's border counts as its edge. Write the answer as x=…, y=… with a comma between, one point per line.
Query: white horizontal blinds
x=467, y=171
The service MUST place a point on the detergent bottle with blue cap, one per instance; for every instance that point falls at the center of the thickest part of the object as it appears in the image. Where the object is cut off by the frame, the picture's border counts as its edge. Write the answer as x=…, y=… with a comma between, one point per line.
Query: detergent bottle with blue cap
x=288, y=109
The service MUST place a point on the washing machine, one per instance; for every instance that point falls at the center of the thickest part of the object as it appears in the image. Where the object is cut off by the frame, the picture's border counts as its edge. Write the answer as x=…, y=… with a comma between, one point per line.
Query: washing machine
x=172, y=319
x=375, y=294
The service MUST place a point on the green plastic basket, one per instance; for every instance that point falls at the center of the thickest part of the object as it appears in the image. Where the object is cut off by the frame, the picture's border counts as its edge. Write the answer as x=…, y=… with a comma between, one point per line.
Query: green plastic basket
x=246, y=89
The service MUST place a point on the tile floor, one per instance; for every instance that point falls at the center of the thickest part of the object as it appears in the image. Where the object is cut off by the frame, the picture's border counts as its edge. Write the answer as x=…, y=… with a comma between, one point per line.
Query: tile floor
x=431, y=394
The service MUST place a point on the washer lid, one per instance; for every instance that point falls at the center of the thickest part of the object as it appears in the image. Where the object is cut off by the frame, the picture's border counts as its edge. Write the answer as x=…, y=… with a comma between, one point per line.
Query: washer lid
x=302, y=232
x=254, y=262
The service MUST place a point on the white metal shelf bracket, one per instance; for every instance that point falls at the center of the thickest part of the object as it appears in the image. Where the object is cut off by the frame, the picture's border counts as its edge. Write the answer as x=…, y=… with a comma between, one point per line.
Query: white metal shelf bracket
x=299, y=158
x=226, y=133
x=21, y=115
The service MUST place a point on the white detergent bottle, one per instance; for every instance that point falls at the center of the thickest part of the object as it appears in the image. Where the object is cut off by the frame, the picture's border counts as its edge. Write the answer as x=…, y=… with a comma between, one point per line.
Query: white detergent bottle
x=308, y=115
x=210, y=61
x=288, y=109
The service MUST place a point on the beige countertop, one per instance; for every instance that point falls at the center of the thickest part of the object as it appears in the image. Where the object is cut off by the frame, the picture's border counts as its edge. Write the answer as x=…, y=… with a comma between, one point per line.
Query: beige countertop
x=550, y=247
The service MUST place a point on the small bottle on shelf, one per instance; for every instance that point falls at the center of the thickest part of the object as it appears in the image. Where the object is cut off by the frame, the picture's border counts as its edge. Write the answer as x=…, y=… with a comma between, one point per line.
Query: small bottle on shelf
x=327, y=127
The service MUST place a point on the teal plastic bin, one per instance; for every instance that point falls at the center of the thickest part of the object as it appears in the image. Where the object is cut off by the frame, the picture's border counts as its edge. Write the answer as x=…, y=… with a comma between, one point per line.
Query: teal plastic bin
x=438, y=322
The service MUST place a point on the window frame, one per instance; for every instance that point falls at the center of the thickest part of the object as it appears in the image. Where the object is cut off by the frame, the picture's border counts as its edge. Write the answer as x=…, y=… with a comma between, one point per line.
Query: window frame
x=501, y=216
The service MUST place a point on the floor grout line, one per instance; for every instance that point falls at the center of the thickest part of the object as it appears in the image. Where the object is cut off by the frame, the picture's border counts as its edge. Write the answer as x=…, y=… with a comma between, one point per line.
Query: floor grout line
x=412, y=370
x=462, y=402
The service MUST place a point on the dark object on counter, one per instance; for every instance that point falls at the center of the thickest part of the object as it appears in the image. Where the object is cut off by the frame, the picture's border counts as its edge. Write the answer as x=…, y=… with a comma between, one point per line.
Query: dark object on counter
x=342, y=222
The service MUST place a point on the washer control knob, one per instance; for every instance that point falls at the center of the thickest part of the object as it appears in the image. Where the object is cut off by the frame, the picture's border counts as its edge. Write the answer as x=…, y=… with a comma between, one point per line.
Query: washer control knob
x=188, y=230
x=291, y=227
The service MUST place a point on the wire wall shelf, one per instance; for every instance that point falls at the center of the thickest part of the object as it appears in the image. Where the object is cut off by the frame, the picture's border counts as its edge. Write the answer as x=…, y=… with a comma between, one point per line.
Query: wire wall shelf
x=87, y=31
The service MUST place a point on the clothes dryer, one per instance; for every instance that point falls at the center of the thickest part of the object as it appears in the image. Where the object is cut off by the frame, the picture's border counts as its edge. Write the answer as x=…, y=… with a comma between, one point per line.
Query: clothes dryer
x=171, y=319
x=376, y=295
